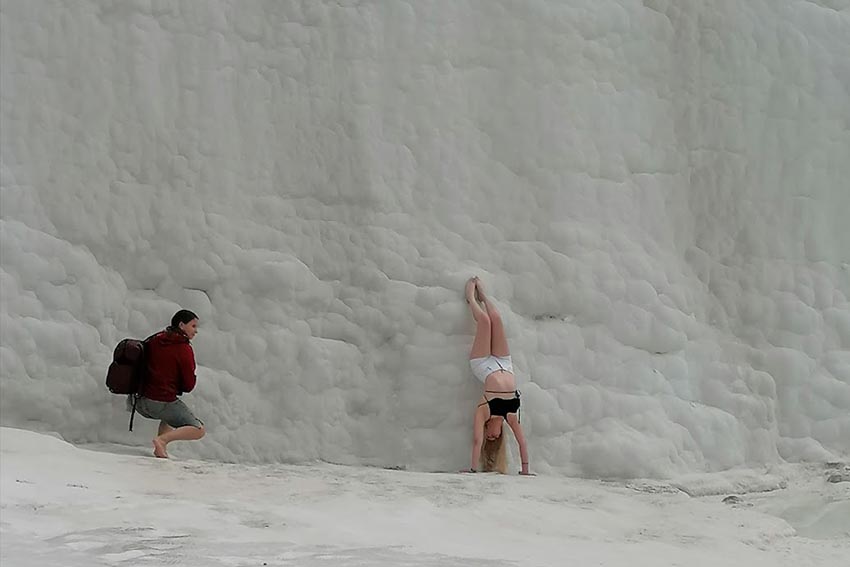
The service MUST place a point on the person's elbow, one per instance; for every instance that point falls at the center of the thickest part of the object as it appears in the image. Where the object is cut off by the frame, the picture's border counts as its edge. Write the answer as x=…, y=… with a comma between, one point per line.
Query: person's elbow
x=188, y=384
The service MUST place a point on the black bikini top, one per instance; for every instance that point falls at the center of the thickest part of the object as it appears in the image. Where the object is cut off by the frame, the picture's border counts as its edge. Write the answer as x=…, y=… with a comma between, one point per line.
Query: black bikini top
x=503, y=406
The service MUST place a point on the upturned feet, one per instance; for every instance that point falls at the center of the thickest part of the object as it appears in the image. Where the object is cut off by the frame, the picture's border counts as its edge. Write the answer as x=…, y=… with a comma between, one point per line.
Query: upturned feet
x=472, y=289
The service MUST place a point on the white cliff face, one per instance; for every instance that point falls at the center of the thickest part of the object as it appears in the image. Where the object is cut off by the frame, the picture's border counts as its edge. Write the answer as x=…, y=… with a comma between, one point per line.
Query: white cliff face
x=655, y=193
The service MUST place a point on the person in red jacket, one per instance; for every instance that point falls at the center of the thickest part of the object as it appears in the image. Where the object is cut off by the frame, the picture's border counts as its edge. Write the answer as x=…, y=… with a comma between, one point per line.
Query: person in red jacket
x=171, y=372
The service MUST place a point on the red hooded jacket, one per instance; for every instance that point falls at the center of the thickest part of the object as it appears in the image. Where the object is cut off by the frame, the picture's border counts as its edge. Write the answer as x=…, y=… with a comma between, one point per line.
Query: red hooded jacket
x=171, y=366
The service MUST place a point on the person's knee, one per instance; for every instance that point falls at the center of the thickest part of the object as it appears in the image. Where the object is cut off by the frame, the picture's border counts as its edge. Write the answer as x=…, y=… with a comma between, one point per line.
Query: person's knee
x=483, y=322
x=495, y=317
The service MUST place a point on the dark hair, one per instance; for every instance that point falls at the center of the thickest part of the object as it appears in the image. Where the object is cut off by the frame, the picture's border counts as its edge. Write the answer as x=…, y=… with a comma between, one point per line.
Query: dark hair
x=182, y=316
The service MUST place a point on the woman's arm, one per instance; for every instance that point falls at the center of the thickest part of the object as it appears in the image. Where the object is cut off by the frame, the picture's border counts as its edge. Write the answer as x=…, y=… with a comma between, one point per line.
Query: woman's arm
x=186, y=368
x=516, y=427
x=477, y=435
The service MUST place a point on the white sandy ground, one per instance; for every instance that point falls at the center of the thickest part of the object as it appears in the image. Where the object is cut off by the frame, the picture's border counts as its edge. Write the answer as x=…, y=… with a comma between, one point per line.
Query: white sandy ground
x=68, y=506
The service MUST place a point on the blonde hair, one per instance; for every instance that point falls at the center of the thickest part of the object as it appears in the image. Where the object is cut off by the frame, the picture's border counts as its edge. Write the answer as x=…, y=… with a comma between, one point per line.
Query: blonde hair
x=494, y=454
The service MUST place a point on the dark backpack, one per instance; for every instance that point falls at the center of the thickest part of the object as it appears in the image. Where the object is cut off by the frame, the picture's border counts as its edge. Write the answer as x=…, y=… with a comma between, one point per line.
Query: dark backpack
x=126, y=373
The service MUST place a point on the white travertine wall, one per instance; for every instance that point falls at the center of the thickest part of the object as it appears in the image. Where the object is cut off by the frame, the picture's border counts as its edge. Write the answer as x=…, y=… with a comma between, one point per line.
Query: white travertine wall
x=655, y=192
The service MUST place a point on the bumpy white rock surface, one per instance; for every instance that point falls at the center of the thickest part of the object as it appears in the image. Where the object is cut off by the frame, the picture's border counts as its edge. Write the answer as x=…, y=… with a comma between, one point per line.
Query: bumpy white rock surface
x=656, y=193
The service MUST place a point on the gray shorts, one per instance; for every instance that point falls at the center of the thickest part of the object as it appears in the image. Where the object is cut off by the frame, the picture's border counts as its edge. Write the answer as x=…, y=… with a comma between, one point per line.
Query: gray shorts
x=176, y=413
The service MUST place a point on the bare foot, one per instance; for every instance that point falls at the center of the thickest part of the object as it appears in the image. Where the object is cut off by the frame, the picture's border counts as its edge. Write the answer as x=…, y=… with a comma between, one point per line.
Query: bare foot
x=479, y=290
x=159, y=449
x=470, y=290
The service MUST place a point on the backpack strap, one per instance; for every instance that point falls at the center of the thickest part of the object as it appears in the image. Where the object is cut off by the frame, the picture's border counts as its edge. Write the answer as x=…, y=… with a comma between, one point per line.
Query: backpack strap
x=138, y=394
x=133, y=411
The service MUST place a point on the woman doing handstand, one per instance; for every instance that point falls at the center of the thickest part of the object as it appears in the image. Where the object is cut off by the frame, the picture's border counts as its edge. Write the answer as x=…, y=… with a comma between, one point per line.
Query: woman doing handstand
x=490, y=360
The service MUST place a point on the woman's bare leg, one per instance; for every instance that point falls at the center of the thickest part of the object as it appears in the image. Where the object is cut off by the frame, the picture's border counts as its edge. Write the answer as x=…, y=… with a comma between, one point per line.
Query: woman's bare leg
x=158, y=445
x=185, y=433
x=481, y=344
x=498, y=339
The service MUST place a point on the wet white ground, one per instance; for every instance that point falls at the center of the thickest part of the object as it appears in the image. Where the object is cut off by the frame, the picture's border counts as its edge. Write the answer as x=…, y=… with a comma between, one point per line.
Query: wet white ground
x=68, y=506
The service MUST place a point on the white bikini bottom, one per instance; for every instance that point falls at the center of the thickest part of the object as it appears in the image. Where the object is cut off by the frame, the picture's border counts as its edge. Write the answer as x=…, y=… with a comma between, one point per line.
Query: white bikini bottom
x=483, y=367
